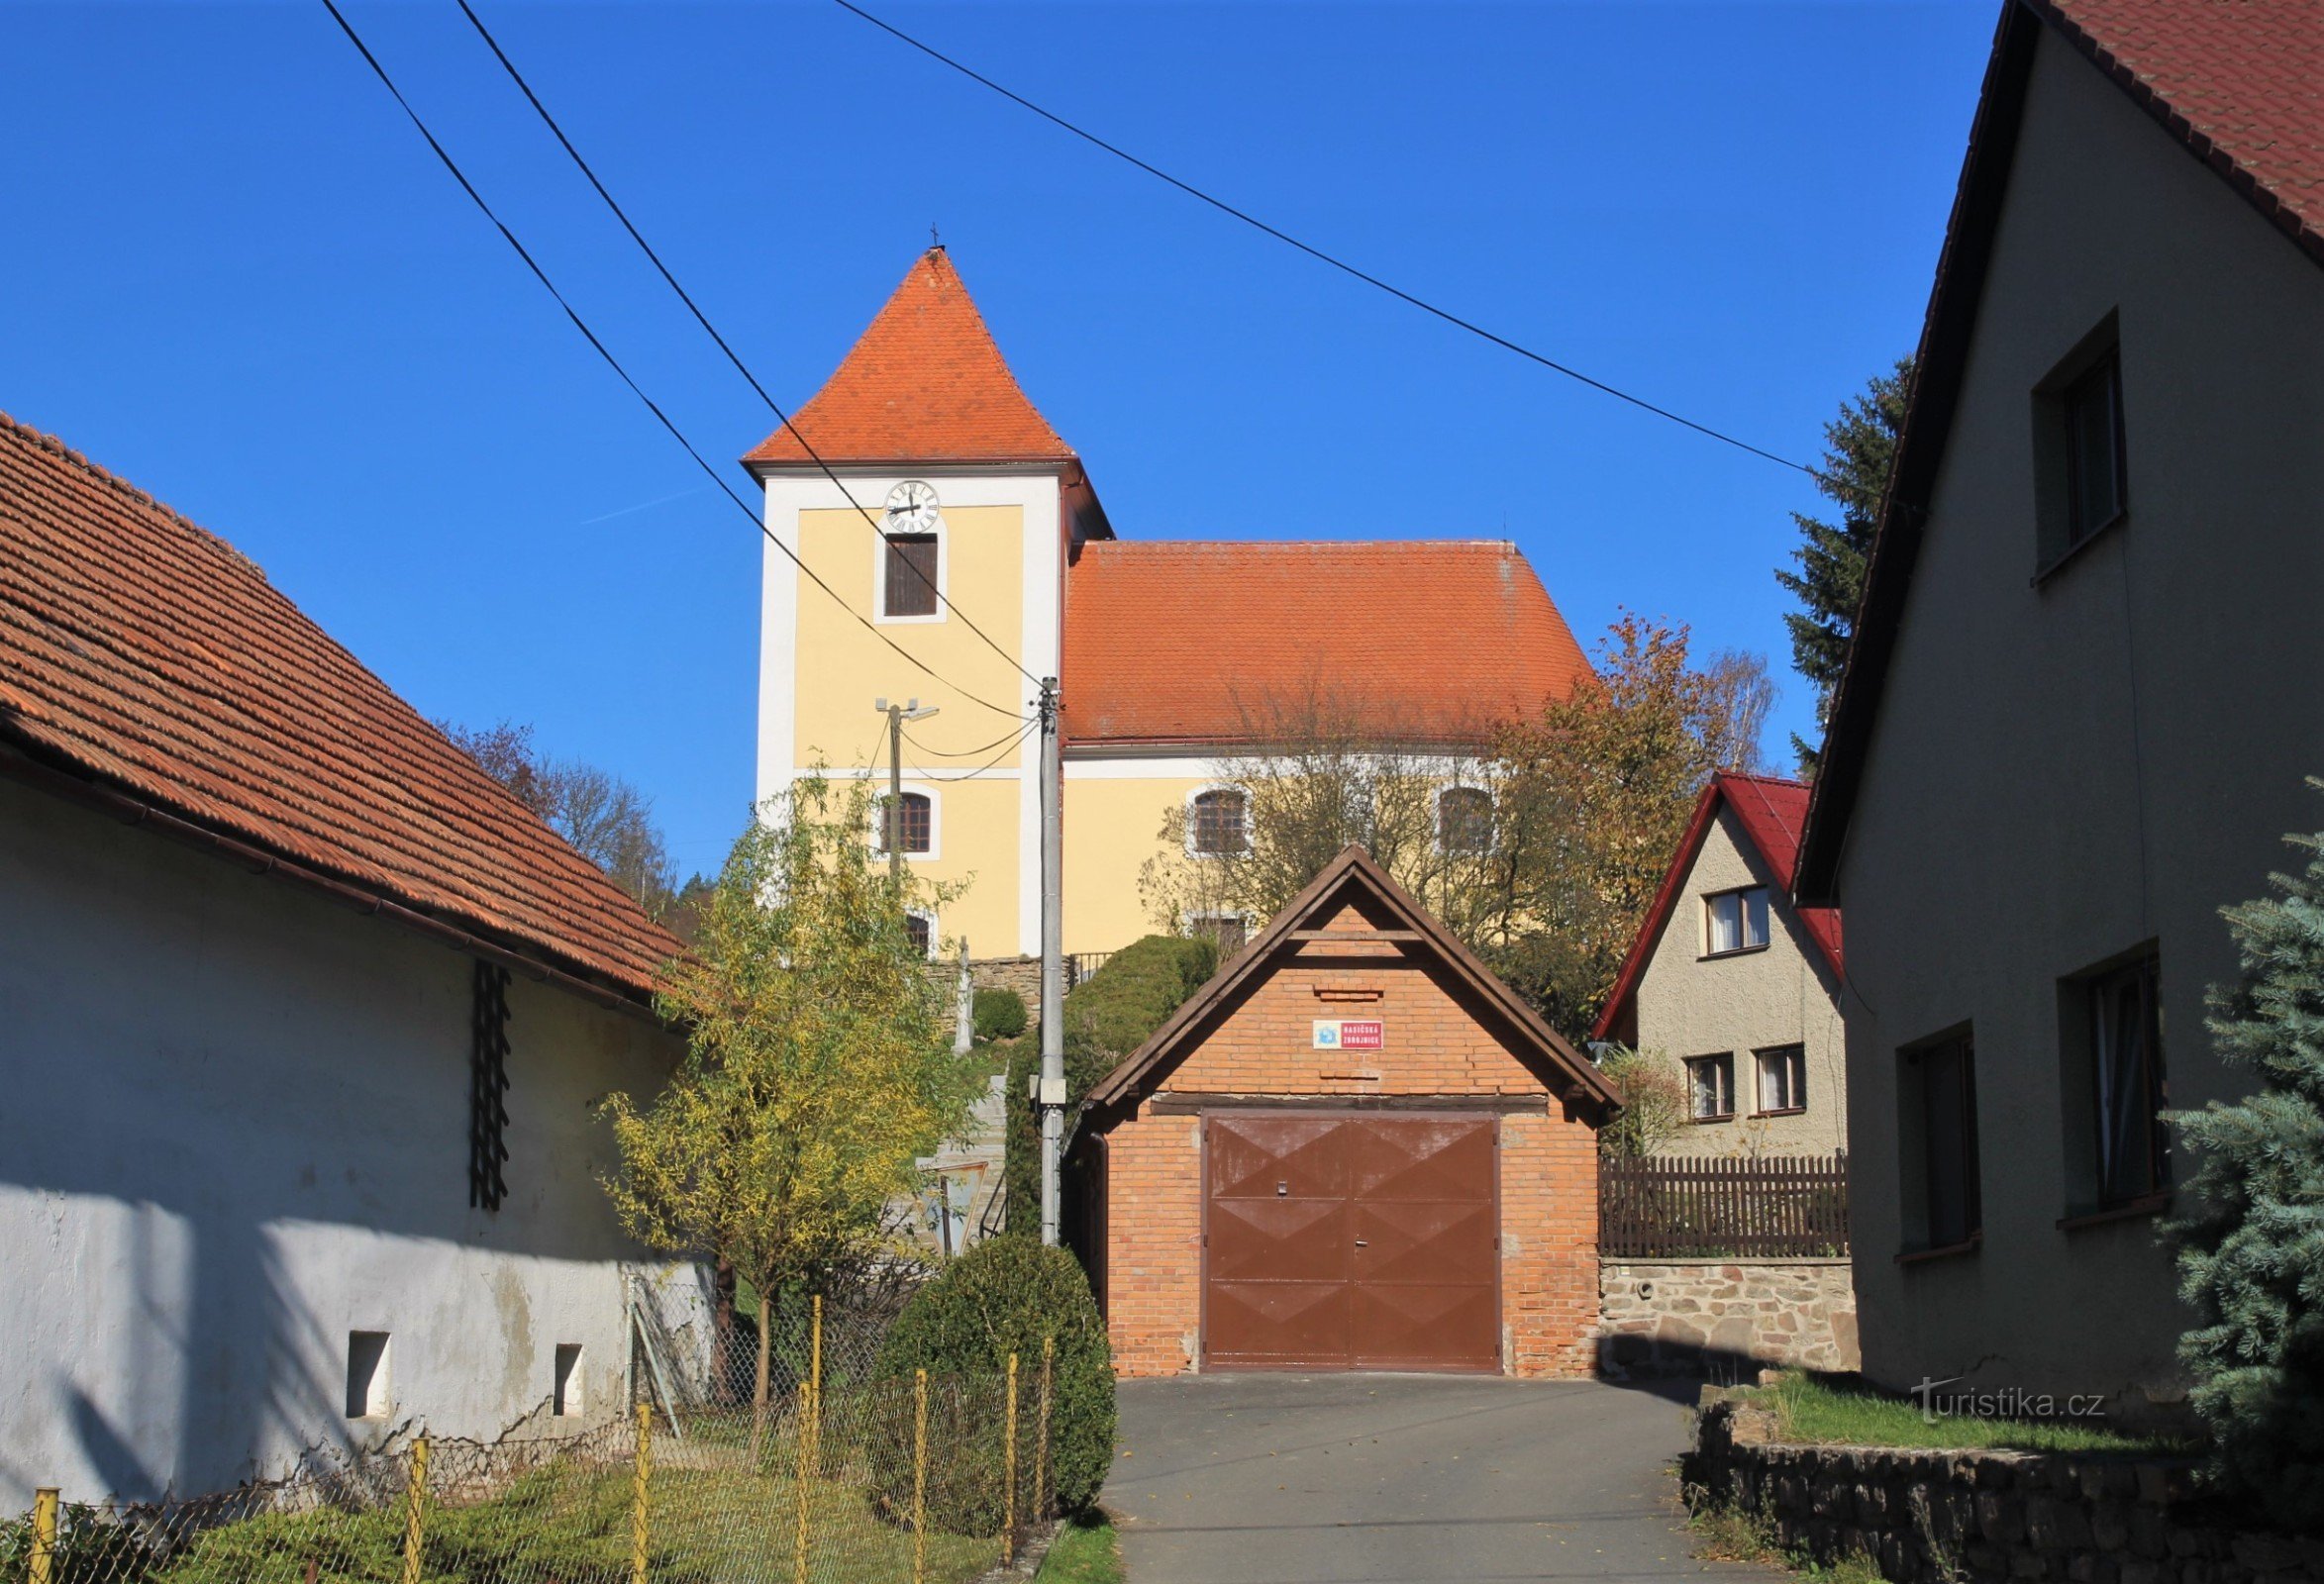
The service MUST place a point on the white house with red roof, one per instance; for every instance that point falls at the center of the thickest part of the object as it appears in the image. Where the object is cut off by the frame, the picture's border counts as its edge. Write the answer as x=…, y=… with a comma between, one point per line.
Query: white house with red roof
x=1735, y=987
x=971, y=535
x=2081, y=706
x=306, y=1018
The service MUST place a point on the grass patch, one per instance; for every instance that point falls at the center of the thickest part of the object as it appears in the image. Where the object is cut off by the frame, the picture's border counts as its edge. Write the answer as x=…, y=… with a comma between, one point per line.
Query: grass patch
x=1084, y=1552
x=1731, y=1535
x=1829, y=1412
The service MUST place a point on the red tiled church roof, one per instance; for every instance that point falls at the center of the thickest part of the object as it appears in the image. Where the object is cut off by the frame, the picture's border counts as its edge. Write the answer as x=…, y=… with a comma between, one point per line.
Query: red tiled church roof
x=1772, y=812
x=924, y=384
x=1191, y=643
x=145, y=655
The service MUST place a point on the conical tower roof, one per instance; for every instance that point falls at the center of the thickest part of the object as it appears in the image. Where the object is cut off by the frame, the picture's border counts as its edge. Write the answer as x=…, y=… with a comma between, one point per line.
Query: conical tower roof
x=925, y=383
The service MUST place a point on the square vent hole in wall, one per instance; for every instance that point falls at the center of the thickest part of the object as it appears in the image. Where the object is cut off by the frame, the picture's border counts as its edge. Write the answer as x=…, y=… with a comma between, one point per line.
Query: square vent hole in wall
x=565, y=1396
x=366, y=1374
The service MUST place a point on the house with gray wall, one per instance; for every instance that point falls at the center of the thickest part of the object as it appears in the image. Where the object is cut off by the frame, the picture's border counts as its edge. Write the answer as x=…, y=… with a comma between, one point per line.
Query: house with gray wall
x=2082, y=701
x=305, y=1020
x=1731, y=986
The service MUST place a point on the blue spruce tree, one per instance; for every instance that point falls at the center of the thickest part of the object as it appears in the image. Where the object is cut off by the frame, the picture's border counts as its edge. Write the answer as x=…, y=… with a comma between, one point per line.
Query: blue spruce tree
x=2251, y=1248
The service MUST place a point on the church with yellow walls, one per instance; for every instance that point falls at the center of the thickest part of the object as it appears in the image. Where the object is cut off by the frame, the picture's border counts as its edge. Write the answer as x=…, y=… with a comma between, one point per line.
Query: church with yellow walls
x=949, y=545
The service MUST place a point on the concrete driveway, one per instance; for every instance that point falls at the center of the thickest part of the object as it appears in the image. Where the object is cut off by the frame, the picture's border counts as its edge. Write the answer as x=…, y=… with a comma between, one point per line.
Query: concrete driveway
x=1336, y=1479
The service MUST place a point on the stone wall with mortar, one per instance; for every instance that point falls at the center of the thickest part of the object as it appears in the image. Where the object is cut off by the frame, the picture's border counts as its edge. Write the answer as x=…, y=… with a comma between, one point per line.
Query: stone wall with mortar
x=1723, y=1318
x=1972, y=1516
x=1021, y=975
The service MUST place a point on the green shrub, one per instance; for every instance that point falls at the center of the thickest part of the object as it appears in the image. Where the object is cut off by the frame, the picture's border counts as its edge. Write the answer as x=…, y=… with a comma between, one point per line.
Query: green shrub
x=999, y=1014
x=1004, y=1295
x=1107, y=1015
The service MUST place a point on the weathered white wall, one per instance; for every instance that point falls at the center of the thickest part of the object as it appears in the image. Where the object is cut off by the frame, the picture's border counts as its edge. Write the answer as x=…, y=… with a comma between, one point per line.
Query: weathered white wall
x=236, y=1130
x=2061, y=772
x=1688, y=1005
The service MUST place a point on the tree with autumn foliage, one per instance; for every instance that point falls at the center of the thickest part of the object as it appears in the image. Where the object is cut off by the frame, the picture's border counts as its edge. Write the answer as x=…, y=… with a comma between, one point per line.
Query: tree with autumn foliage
x=817, y=1069
x=1549, y=876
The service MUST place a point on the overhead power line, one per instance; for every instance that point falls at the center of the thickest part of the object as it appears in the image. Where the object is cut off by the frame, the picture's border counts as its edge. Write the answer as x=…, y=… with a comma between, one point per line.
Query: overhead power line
x=711, y=329
x=970, y=775
x=452, y=165
x=1332, y=259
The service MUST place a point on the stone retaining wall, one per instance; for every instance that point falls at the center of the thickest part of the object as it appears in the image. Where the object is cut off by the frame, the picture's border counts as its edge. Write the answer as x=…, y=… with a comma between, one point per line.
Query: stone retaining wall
x=1723, y=1319
x=1970, y=1517
x=1021, y=975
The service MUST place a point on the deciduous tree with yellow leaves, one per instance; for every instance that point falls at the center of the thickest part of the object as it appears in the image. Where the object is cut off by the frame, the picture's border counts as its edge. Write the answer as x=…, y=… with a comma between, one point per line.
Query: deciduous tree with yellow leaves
x=816, y=1070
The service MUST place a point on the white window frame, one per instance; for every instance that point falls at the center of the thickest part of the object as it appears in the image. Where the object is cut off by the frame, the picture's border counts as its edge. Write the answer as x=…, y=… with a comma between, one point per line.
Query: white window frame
x=944, y=577
x=1202, y=916
x=1490, y=804
x=935, y=821
x=927, y=917
x=1250, y=825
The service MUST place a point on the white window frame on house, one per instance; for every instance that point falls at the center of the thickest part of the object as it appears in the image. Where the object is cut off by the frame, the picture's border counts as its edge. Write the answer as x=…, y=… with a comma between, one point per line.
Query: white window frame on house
x=927, y=917
x=1193, y=922
x=1794, y=1080
x=1740, y=895
x=944, y=577
x=1442, y=845
x=935, y=821
x=1250, y=828
x=1722, y=1063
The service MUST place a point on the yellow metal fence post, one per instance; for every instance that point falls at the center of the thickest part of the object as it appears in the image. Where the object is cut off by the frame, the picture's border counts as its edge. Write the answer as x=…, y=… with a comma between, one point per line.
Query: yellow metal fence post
x=43, y=1569
x=638, y=1509
x=1041, y=1491
x=415, y=1499
x=804, y=1430
x=815, y=1391
x=919, y=1476
x=1009, y=1486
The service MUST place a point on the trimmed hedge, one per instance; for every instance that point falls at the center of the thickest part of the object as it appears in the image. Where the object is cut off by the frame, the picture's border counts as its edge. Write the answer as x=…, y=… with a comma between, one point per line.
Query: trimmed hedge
x=1107, y=1015
x=999, y=1015
x=1005, y=1295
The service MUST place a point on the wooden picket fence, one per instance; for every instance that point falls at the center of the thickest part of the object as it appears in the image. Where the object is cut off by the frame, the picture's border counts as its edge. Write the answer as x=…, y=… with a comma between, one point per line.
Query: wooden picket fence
x=1781, y=1207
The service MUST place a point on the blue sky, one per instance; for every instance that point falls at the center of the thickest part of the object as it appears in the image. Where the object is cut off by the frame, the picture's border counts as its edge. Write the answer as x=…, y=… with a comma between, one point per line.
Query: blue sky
x=236, y=275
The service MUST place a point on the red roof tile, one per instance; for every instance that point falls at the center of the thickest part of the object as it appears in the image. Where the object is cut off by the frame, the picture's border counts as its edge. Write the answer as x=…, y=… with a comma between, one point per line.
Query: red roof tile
x=1192, y=642
x=1771, y=812
x=145, y=652
x=2242, y=83
x=924, y=384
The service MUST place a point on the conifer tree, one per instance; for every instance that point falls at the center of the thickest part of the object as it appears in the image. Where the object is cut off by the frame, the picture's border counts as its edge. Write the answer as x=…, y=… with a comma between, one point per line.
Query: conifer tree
x=2251, y=1249
x=1860, y=448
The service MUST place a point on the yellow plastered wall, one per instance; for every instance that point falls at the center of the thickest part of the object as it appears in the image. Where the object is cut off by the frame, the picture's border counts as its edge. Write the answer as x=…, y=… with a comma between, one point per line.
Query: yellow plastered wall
x=1111, y=829
x=841, y=668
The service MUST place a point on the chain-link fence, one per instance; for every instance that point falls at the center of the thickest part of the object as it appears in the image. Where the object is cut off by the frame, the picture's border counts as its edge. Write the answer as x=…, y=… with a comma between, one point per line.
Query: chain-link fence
x=837, y=1472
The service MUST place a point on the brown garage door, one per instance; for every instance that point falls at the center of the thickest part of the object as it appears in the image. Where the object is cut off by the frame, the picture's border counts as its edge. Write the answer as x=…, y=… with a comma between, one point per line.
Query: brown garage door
x=1351, y=1242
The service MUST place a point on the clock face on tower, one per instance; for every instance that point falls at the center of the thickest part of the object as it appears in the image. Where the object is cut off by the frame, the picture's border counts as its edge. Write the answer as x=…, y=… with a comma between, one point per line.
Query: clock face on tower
x=911, y=508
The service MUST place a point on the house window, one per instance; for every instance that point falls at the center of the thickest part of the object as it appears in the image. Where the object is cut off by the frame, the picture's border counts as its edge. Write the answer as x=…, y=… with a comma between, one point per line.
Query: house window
x=366, y=1374
x=909, y=575
x=1710, y=1087
x=1229, y=929
x=2126, y=1047
x=1940, y=1094
x=488, y=1087
x=913, y=817
x=920, y=930
x=1217, y=823
x=1736, y=921
x=1782, y=1080
x=1464, y=820
x=2095, y=484
x=565, y=1396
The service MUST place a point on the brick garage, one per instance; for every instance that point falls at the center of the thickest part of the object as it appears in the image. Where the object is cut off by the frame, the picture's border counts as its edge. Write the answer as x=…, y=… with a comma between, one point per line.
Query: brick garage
x=1247, y=1195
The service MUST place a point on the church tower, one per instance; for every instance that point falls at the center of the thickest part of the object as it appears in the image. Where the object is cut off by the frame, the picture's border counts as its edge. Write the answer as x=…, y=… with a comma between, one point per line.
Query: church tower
x=924, y=488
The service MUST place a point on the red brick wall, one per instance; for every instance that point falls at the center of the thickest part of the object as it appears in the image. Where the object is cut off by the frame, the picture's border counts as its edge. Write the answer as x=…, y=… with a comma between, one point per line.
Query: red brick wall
x=1439, y=1040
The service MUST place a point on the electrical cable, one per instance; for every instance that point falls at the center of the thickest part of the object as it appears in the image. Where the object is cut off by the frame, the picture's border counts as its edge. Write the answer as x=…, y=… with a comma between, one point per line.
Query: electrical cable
x=970, y=775
x=581, y=324
x=711, y=329
x=1341, y=265
x=963, y=754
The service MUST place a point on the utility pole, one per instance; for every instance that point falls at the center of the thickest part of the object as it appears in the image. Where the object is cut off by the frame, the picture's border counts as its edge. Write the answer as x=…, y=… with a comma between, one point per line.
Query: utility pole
x=1052, y=1096
x=891, y=818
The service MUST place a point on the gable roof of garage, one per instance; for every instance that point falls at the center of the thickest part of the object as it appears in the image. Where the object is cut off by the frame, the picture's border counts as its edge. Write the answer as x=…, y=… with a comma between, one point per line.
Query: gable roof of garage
x=1353, y=875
